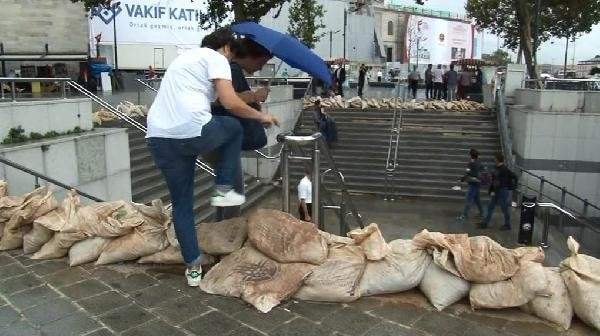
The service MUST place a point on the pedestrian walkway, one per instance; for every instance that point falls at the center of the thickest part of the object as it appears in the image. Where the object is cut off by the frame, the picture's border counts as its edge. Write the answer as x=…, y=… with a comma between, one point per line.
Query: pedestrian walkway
x=50, y=298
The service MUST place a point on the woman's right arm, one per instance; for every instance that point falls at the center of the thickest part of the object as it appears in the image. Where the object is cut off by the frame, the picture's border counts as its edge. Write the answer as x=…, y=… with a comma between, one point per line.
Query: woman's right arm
x=230, y=100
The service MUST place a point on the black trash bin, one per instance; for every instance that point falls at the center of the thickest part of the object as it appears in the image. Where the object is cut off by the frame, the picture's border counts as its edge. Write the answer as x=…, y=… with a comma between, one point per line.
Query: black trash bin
x=527, y=220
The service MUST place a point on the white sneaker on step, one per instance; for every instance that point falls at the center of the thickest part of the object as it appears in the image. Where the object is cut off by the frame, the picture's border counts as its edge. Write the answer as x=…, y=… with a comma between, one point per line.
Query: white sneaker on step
x=230, y=198
x=193, y=276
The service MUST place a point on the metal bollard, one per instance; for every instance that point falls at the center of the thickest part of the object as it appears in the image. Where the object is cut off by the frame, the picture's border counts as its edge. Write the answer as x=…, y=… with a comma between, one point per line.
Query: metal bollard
x=526, y=222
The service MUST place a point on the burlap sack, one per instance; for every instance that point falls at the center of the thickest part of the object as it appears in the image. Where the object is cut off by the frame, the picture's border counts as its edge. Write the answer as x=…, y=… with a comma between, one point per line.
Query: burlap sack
x=402, y=269
x=3, y=188
x=36, y=204
x=146, y=239
x=443, y=288
x=222, y=237
x=258, y=280
x=172, y=255
x=87, y=250
x=523, y=287
x=338, y=278
x=581, y=274
x=59, y=245
x=286, y=239
x=36, y=238
x=555, y=308
x=372, y=242
x=478, y=259
x=334, y=240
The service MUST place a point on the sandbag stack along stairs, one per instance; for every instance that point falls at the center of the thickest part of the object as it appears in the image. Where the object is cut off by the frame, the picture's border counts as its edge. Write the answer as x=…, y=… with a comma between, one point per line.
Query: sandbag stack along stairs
x=433, y=149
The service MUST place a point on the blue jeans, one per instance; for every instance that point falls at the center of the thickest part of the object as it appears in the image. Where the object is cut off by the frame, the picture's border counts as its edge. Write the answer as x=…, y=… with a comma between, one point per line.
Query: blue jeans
x=473, y=194
x=501, y=197
x=176, y=160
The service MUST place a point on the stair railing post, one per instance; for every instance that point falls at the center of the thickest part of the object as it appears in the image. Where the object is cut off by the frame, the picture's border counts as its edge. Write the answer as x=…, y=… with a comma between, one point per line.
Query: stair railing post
x=316, y=201
x=563, y=195
x=285, y=178
x=541, y=189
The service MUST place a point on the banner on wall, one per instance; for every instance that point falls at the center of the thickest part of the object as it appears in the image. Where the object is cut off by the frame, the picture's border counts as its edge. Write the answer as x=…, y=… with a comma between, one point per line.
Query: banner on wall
x=169, y=22
x=437, y=41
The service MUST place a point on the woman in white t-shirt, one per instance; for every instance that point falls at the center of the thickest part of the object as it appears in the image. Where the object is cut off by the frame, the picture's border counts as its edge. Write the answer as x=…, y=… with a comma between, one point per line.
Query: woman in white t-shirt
x=181, y=127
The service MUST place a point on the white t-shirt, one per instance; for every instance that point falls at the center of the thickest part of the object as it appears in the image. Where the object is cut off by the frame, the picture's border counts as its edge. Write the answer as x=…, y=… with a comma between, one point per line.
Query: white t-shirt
x=438, y=75
x=305, y=190
x=182, y=105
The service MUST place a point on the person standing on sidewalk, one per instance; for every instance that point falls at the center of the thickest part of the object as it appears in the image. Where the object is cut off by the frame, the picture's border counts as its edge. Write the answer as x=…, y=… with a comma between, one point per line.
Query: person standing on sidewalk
x=503, y=181
x=452, y=80
x=413, y=81
x=305, y=197
x=438, y=82
x=473, y=178
x=181, y=127
x=429, y=82
x=362, y=73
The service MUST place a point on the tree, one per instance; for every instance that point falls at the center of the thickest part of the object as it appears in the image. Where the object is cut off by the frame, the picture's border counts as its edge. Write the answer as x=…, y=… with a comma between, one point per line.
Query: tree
x=595, y=71
x=514, y=21
x=217, y=10
x=305, y=20
x=499, y=57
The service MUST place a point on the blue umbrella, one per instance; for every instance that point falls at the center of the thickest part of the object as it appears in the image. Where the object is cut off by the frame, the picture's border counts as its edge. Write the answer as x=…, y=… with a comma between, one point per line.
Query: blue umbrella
x=287, y=48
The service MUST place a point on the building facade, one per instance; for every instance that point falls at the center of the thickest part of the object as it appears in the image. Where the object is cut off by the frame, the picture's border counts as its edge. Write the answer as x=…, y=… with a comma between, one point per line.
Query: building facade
x=584, y=67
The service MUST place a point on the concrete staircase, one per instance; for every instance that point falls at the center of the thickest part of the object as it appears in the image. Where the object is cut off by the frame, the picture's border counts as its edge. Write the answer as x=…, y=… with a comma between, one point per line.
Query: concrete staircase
x=432, y=154
x=147, y=183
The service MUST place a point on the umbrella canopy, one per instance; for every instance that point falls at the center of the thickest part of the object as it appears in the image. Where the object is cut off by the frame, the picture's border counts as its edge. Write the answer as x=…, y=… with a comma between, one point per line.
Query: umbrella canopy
x=286, y=47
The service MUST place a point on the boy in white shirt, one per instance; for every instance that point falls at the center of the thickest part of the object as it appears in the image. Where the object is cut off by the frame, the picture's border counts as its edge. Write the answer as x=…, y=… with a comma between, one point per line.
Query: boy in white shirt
x=305, y=197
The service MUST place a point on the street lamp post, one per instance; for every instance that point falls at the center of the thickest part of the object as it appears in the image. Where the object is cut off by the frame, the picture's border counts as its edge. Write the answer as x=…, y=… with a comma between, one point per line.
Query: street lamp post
x=331, y=32
x=114, y=12
x=345, y=25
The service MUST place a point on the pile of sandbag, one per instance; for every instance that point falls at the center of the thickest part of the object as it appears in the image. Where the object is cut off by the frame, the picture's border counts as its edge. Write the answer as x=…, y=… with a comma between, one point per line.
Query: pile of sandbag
x=103, y=115
x=132, y=110
x=393, y=103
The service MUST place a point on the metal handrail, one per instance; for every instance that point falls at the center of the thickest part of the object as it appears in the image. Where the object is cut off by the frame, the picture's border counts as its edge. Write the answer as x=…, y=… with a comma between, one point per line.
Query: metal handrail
x=586, y=84
x=392, y=160
x=14, y=80
x=563, y=212
x=46, y=178
x=127, y=118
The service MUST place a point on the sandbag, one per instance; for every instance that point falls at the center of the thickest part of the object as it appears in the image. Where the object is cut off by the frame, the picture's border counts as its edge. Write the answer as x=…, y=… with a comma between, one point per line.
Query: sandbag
x=172, y=255
x=443, y=288
x=402, y=269
x=36, y=238
x=257, y=279
x=59, y=245
x=222, y=237
x=87, y=250
x=555, y=308
x=146, y=239
x=335, y=240
x=581, y=274
x=35, y=205
x=338, y=278
x=477, y=259
x=525, y=285
x=372, y=242
x=284, y=238
x=3, y=188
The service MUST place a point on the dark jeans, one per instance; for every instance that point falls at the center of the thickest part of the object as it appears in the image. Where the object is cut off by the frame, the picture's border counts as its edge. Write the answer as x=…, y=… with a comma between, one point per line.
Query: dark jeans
x=429, y=90
x=437, y=90
x=473, y=194
x=502, y=197
x=414, y=85
x=176, y=160
x=361, y=85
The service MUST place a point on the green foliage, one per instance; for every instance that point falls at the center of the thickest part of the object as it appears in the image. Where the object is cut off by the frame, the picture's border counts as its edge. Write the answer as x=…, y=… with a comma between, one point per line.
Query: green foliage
x=595, y=71
x=218, y=10
x=305, y=21
x=500, y=57
x=17, y=135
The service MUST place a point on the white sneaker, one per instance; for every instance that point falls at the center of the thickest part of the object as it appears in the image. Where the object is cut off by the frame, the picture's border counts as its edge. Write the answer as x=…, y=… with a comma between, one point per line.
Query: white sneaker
x=230, y=198
x=193, y=276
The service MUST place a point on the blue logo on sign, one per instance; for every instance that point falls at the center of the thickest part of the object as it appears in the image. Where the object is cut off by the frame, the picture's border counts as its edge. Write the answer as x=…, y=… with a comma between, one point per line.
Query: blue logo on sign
x=107, y=15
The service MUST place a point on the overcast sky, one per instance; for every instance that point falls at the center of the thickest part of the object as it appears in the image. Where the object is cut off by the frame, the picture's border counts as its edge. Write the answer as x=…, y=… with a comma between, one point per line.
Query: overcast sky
x=585, y=47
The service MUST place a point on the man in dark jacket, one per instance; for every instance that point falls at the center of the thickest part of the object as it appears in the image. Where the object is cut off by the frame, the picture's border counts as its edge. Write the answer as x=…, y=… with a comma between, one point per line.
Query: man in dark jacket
x=503, y=181
x=473, y=178
x=362, y=74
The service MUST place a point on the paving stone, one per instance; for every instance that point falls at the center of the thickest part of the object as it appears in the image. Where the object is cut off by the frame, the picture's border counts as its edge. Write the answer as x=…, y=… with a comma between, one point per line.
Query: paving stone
x=154, y=328
x=5, y=259
x=2, y=302
x=33, y=297
x=350, y=321
x=104, y=302
x=531, y=329
x=441, y=324
x=264, y=322
x=8, y=316
x=101, y=332
x=20, y=328
x=11, y=270
x=155, y=295
x=405, y=314
x=490, y=321
x=245, y=331
x=366, y=303
x=66, y=277
x=15, y=253
x=228, y=305
x=387, y=328
x=314, y=311
x=18, y=284
x=49, y=311
x=84, y=289
x=181, y=309
x=131, y=283
x=178, y=282
x=213, y=323
x=126, y=317
x=300, y=327
x=483, y=330
x=26, y=261
x=48, y=267
x=73, y=325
